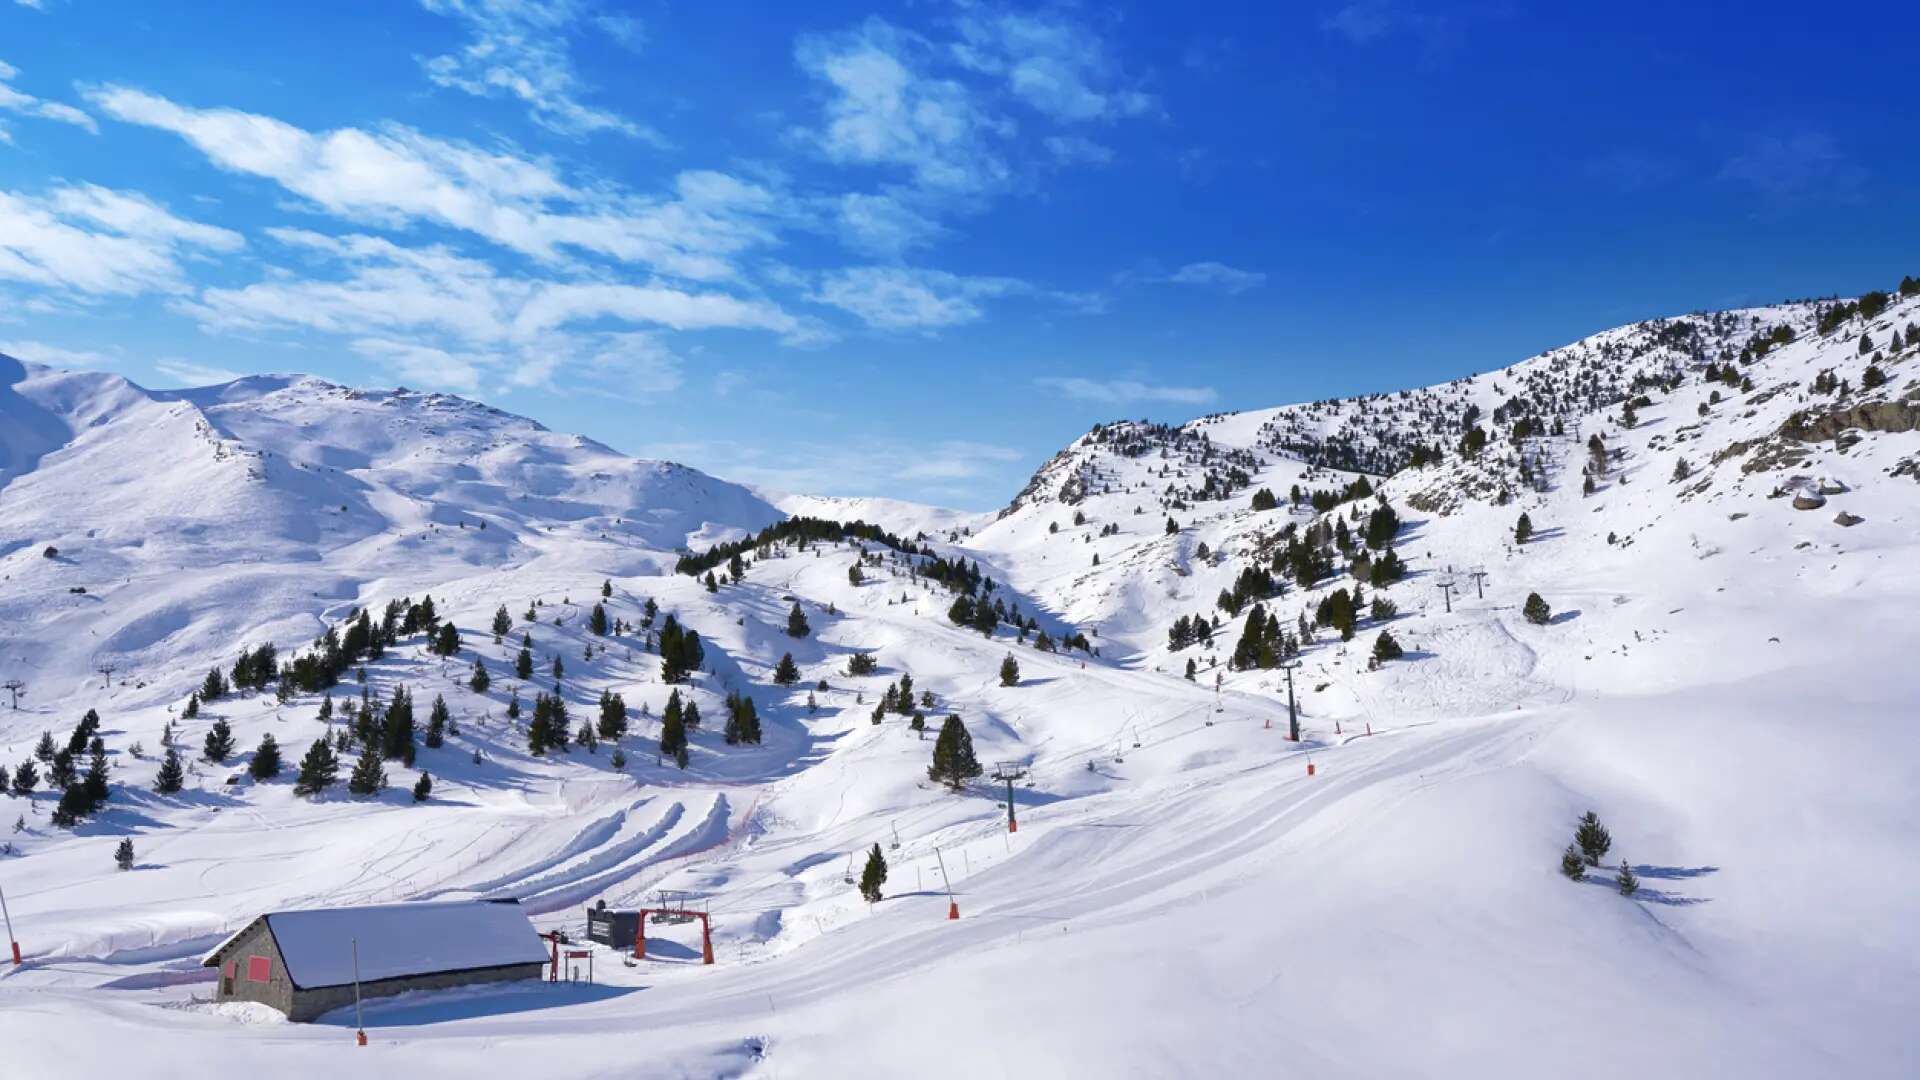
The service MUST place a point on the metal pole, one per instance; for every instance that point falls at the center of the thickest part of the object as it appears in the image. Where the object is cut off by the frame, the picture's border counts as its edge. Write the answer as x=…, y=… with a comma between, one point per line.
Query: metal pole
x=360, y=1028
x=1293, y=715
x=9, y=918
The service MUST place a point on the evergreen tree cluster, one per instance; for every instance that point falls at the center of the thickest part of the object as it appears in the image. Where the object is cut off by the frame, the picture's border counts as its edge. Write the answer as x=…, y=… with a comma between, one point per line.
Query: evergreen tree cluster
x=1263, y=643
x=1190, y=630
x=743, y=723
x=681, y=653
x=547, y=730
x=613, y=716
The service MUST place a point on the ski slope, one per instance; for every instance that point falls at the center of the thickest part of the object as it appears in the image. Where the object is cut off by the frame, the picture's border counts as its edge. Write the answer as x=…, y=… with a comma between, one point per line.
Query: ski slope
x=1722, y=680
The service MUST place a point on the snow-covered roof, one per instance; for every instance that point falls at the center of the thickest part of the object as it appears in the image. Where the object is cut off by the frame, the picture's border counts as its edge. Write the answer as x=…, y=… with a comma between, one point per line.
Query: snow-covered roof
x=396, y=940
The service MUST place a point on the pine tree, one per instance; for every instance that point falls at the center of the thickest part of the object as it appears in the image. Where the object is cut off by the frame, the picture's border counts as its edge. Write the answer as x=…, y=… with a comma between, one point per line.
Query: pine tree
x=83, y=733
x=786, y=673
x=319, y=769
x=437, y=721
x=26, y=778
x=513, y=705
x=673, y=729
x=95, y=784
x=502, y=622
x=123, y=854
x=874, y=876
x=62, y=774
x=1009, y=671
x=1536, y=610
x=797, y=622
x=618, y=760
x=446, y=640
x=1385, y=648
x=396, y=735
x=1571, y=864
x=1593, y=838
x=606, y=588
x=1523, y=529
x=72, y=807
x=422, y=788
x=266, y=759
x=613, y=715
x=953, y=760
x=1626, y=880
x=219, y=742
x=369, y=776
x=44, y=749
x=523, y=664
x=171, y=776
x=597, y=622
x=480, y=680
x=559, y=670
x=862, y=663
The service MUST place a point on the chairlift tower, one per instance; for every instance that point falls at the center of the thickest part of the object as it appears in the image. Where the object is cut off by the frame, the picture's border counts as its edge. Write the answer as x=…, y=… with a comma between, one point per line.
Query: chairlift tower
x=1007, y=772
x=1479, y=575
x=1446, y=588
x=1293, y=713
x=14, y=686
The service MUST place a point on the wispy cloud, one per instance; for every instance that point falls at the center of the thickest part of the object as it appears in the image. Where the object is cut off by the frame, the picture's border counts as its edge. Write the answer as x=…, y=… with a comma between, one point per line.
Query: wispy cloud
x=16, y=101
x=59, y=356
x=883, y=108
x=396, y=176
x=1125, y=391
x=903, y=298
x=192, y=373
x=95, y=241
x=463, y=320
x=950, y=470
x=519, y=49
x=1216, y=275
x=1369, y=21
x=1057, y=66
x=1799, y=165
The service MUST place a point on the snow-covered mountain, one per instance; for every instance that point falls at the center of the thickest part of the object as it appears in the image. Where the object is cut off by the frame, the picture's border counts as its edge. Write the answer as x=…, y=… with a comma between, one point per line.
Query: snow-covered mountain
x=1721, y=522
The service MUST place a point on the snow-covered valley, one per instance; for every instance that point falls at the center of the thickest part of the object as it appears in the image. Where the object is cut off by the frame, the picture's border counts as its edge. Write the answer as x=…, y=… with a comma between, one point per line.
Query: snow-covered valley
x=1722, y=519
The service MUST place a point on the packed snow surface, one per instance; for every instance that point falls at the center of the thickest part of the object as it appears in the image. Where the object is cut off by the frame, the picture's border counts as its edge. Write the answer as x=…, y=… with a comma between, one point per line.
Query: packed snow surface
x=1724, y=519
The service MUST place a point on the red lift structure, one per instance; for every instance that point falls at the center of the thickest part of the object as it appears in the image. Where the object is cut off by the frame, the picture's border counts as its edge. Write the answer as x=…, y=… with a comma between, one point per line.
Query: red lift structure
x=672, y=907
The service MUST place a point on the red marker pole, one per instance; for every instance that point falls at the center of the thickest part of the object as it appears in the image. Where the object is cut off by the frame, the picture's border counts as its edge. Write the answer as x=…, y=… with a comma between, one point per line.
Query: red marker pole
x=9, y=917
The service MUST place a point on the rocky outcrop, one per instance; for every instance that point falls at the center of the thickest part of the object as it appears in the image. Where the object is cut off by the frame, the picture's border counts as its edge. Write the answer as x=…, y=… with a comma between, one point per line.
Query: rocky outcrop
x=1804, y=426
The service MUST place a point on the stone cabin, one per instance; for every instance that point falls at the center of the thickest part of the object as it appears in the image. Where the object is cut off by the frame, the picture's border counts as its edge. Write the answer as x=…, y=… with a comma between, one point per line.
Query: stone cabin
x=302, y=962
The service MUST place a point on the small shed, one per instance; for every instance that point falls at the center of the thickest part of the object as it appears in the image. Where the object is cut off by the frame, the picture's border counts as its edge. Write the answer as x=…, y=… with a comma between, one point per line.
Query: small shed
x=301, y=962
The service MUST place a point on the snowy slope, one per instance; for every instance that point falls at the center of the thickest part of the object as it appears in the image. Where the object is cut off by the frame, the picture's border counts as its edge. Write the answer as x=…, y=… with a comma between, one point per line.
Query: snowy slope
x=1722, y=680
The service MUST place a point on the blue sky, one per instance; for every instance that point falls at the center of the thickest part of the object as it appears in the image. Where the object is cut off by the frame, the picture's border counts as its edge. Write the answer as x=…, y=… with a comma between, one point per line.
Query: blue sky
x=913, y=249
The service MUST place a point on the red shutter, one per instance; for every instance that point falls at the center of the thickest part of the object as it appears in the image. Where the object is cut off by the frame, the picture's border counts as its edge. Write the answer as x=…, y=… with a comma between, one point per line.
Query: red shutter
x=259, y=969
x=231, y=964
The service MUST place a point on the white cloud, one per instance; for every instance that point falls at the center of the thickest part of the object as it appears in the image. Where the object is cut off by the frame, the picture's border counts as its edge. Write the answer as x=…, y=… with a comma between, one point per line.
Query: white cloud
x=59, y=356
x=885, y=224
x=16, y=101
x=191, y=373
x=1125, y=391
x=397, y=176
x=1214, y=275
x=425, y=366
x=1077, y=150
x=902, y=298
x=444, y=320
x=97, y=242
x=519, y=49
x=1787, y=167
x=952, y=469
x=882, y=111
x=1056, y=66
x=1361, y=23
